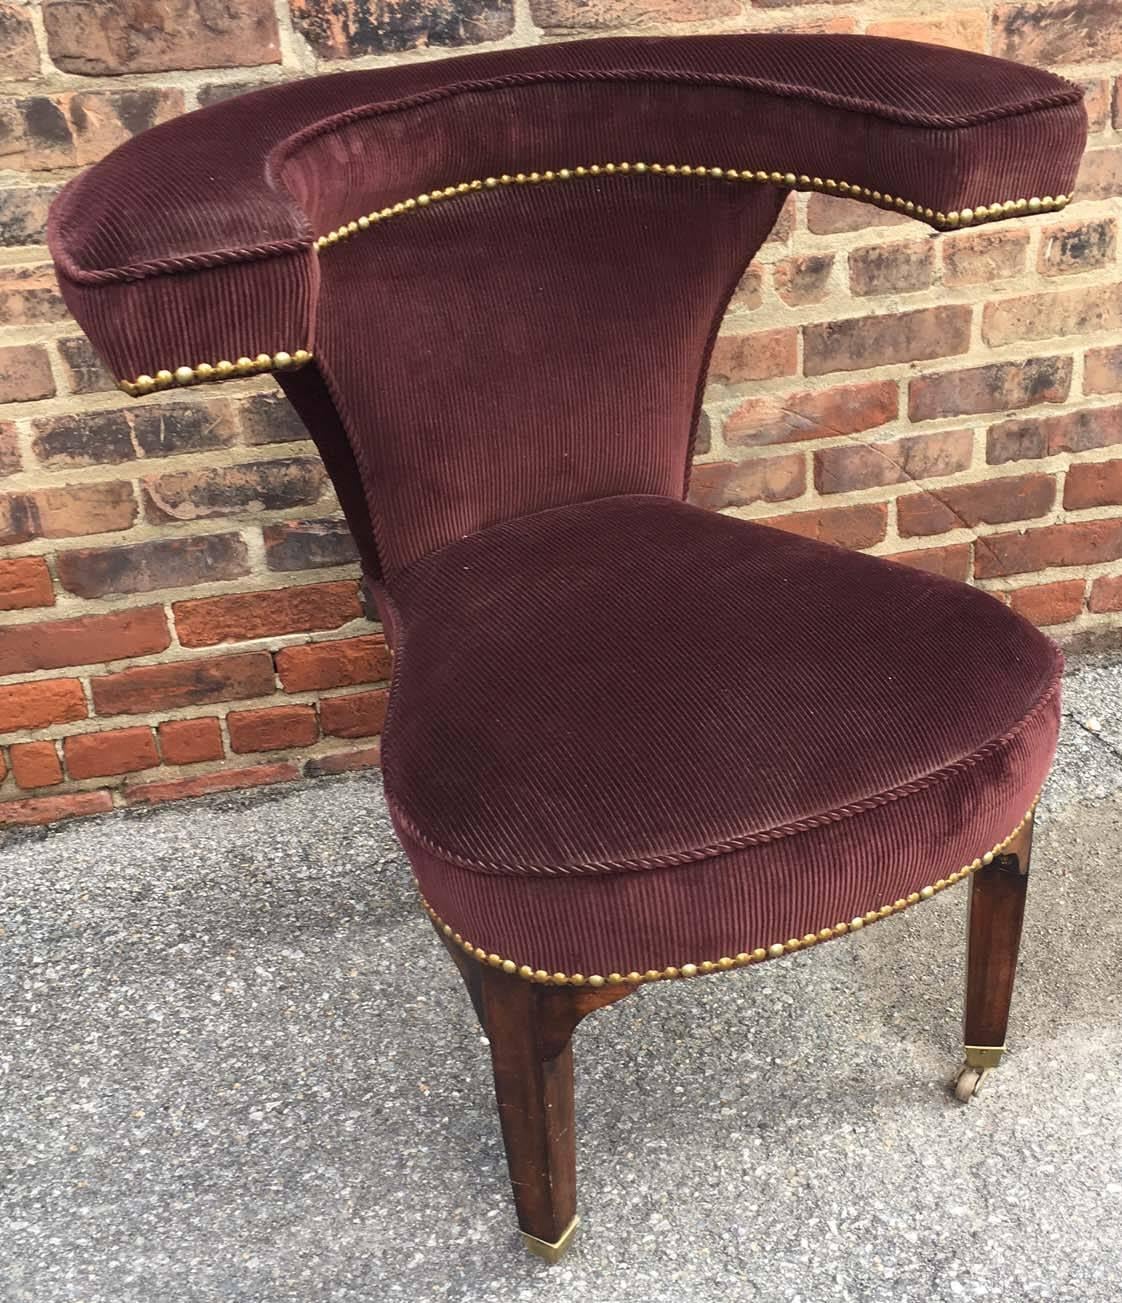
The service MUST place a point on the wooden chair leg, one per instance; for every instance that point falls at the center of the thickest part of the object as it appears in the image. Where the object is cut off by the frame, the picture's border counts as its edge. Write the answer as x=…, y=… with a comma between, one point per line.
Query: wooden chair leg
x=530, y=1028
x=997, y=910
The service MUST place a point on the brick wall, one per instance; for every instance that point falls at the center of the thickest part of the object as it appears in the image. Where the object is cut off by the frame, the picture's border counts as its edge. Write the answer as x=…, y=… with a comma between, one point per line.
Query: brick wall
x=178, y=607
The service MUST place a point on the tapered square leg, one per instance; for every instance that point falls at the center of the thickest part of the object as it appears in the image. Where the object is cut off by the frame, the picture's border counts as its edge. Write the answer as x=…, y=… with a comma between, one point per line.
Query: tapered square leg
x=996, y=915
x=530, y=1026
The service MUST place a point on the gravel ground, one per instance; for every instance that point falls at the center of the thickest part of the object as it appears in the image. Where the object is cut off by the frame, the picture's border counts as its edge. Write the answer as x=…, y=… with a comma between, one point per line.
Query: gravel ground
x=235, y=1065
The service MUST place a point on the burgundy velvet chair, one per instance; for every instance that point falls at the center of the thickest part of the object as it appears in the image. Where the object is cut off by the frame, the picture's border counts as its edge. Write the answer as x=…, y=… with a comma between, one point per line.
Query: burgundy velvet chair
x=629, y=740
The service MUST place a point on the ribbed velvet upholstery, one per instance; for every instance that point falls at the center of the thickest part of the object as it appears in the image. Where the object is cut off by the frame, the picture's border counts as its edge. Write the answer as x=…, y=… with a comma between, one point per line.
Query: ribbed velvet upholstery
x=666, y=735
x=624, y=733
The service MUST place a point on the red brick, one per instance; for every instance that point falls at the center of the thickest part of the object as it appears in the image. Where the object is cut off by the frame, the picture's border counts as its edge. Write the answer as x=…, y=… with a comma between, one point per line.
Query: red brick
x=962, y=29
x=853, y=527
x=992, y=502
x=35, y=764
x=231, y=490
x=19, y=53
x=189, y=741
x=39, y=703
x=339, y=29
x=1045, y=604
x=337, y=664
x=1096, y=427
x=361, y=714
x=310, y=544
x=161, y=563
x=738, y=484
x=892, y=268
x=343, y=762
x=75, y=128
x=997, y=387
x=828, y=215
x=984, y=257
x=1093, y=484
x=1106, y=594
x=803, y=279
x=25, y=582
x=1077, y=246
x=1102, y=370
x=860, y=342
x=118, y=751
x=49, y=809
x=29, y=295
x=813, y=414
x=108, y=37
x=952, y=561
x=83, y=640
x=67, y=511
x=147, y=688
x=1100, y=174
x=760, y=356
x=25, y=373
x=892, y=461
x=1062, y=32
x=179, y=789
x=205, y=621
x=1084, y=543
x=1090, y=310
x=272, y=729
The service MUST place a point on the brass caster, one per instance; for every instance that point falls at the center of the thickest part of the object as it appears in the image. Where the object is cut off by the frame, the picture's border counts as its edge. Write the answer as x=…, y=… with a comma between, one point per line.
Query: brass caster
x=969, y=1082
x=551, y=1251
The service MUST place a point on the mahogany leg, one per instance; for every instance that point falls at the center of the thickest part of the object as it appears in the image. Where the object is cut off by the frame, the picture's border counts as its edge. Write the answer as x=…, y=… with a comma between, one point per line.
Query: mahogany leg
x=997, y=910
x=530, y=1027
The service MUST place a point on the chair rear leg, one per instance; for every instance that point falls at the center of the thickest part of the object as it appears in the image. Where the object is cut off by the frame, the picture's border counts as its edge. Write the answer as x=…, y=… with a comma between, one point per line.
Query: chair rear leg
x=530, y=1026
x=997, y=910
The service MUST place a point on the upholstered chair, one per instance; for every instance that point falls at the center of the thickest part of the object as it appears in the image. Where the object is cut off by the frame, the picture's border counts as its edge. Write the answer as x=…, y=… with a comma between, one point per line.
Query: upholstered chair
x=629, y=740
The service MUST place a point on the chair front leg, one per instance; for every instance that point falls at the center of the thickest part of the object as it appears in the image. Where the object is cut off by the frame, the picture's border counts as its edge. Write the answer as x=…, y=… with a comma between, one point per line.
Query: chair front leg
x=530, y=1026
x=996, y=913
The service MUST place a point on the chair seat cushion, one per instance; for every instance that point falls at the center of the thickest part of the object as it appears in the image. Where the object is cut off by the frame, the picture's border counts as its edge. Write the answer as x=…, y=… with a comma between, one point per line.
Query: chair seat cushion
x=631, y=736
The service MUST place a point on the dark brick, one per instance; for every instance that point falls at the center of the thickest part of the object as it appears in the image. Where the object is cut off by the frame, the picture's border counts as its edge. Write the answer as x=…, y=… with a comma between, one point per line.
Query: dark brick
x=110, y=37
x=85, y=371
x=85, y=439
x=1077, y=246
x=849, y=467
x=164, y=429
x=160, y=563
x=231, y=490
x=342, y=29
x=859, y=342
x=10, y=459
x=1000, y=386
x=23, y=214
x=803, y=279
x=310, y=544
x=1049, y=35
x=75, y=128
x=1097, y=427
x=269, y=418
x=892, y=268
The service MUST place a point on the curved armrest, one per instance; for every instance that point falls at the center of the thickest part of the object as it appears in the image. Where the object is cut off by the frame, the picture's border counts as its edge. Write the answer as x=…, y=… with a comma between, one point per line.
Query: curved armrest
x=191, y=252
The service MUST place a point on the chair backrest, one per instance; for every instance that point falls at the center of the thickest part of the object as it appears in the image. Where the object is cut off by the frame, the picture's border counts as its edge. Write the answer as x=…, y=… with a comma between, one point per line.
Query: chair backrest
x=510, y=268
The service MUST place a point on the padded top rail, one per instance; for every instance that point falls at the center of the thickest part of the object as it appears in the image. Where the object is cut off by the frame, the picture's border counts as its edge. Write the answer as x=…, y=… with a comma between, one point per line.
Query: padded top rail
x=190, y=252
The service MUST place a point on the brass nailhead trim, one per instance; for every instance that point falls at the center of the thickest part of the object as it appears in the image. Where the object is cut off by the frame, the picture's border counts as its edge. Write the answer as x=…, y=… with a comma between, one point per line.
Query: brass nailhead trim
x=742, y=960
x=205, y=372
x=945, y=221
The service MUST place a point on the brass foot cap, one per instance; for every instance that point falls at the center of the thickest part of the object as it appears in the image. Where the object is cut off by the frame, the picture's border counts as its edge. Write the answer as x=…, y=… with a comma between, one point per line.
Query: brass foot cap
x=984, y=1056
x=555, y=1251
